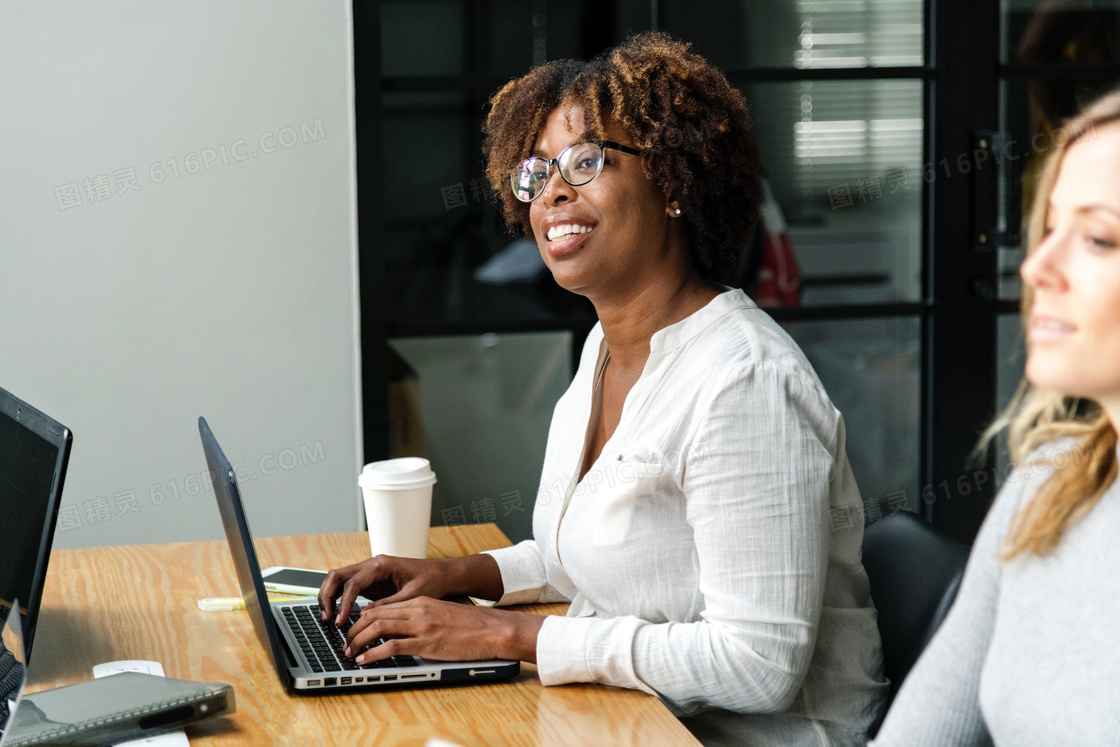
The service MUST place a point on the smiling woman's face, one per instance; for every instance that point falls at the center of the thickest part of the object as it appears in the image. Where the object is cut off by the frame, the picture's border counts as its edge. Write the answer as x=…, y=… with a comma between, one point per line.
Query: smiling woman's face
x=1074, y=329
x=600, y=239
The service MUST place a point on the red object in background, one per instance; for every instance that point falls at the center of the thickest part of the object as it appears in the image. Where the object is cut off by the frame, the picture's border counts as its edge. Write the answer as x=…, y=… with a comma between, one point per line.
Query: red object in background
x=778, y=282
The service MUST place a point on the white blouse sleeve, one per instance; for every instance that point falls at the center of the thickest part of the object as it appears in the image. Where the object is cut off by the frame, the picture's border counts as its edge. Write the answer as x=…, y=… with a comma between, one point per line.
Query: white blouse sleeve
x=523, y=576
x=757, y=504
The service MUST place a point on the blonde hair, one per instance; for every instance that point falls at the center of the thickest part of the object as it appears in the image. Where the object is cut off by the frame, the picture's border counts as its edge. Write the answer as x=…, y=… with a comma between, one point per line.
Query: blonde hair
x=1038, y=416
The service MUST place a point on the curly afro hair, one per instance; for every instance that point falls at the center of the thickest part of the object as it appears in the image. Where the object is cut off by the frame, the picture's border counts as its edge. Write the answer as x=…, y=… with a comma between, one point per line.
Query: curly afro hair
x=693, y=127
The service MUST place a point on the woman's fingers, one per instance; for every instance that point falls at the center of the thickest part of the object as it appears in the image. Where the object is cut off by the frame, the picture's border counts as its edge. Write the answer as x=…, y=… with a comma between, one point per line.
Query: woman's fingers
x=403, y=595
x=427, y=627
x=334, y=581
x=381, y=622
x=384, y=579
x=350, y=582
x=351, y=590
x=362, y=635
x=398, y=611
x=422, y=626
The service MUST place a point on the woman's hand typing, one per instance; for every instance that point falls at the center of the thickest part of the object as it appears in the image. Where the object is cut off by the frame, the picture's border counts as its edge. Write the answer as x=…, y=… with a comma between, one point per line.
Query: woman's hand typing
x=448, y=631
x=389, y=580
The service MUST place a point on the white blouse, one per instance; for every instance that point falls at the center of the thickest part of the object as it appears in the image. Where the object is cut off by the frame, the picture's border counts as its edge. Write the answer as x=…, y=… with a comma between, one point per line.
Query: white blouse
x=708, y=553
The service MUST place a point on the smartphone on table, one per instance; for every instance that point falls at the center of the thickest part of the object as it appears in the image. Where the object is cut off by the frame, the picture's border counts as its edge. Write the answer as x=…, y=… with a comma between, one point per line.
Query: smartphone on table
x=298, y=581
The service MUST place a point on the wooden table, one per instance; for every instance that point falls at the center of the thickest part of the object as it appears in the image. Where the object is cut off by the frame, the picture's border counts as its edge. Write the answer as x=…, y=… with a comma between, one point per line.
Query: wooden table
x=140, y=602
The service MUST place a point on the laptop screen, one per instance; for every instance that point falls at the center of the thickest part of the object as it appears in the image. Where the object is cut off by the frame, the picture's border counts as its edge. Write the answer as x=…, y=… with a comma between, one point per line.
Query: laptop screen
x=33, y=452
x=241, y=548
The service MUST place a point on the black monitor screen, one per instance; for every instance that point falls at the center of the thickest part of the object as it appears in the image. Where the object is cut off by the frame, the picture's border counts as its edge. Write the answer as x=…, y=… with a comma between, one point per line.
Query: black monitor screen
x=27, y=465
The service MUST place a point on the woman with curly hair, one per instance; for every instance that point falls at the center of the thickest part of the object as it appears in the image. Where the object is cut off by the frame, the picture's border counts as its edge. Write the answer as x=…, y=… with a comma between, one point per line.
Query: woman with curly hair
x=1028, y=654
x=696, y=503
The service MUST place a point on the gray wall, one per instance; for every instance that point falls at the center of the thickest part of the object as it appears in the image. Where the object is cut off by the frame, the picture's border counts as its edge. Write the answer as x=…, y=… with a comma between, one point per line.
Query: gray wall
x=134, y=299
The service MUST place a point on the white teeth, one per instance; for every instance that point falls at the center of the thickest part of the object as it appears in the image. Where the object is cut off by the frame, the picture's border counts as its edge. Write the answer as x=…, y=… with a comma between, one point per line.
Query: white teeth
x=1054, y=324
x=570, y=229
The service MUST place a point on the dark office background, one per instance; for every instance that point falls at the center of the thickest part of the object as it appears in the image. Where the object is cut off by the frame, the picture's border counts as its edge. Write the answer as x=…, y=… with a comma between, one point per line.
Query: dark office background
x=880, y=122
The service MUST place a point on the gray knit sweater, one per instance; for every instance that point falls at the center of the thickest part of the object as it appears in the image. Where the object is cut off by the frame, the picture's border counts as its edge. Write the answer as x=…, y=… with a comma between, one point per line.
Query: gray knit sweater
x=1030, y=652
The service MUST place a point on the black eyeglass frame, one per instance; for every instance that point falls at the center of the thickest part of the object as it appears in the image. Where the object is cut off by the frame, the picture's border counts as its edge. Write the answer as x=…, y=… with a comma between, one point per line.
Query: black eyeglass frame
x=514, y=178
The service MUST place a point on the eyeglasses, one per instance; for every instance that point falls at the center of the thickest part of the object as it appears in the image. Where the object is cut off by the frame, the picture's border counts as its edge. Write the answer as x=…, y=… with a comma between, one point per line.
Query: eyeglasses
x=578, y=164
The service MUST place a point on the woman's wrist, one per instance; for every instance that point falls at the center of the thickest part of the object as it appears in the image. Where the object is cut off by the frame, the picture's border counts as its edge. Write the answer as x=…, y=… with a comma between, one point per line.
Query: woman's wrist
x=519, y=637
x=476, y=575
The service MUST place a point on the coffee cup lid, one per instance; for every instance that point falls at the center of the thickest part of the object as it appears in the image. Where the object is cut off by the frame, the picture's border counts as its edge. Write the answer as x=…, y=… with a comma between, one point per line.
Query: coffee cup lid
x=403, y=473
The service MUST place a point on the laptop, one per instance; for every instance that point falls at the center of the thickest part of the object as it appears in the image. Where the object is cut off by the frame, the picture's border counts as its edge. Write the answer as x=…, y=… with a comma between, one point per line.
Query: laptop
x=307, y=651
x=34, y=452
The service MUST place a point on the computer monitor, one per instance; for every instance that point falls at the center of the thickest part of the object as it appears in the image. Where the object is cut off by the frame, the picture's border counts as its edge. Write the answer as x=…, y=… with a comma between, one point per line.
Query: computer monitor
x=34, y=451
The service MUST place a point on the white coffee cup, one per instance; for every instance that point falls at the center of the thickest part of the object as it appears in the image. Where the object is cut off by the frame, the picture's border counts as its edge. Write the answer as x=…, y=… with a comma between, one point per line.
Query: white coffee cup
x=398, y=499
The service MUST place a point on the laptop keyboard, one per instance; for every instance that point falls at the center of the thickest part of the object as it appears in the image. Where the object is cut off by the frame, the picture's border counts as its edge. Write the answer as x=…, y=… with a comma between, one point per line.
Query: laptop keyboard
x=11, y=679
x=322, y=643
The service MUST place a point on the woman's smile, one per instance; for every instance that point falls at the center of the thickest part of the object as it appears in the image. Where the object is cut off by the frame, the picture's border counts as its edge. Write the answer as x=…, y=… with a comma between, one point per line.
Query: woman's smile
x=1046, y=329
x=565, y=233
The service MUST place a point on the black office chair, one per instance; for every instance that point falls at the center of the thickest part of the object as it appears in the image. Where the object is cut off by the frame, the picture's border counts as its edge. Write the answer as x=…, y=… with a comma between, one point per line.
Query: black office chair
x=915, y=571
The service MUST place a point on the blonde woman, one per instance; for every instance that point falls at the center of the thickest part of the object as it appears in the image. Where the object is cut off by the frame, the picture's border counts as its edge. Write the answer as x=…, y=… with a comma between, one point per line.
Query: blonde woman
x=1030, y=653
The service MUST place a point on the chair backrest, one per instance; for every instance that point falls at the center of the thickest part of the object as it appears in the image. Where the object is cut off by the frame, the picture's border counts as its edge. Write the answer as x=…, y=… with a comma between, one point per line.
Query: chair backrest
x=914, y=570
